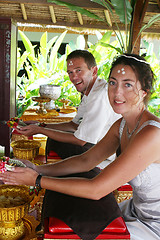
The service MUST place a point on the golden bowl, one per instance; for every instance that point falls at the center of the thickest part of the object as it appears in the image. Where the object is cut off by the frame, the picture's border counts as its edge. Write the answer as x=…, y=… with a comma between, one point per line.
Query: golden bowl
x=14, y=205
x=25, y=149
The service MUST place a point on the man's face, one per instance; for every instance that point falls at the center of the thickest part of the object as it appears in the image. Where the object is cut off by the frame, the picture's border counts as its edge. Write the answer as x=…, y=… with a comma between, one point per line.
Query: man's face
x=80, y=75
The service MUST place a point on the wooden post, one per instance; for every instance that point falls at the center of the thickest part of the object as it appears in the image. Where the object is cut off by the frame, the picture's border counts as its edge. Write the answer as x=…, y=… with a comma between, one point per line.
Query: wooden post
x=138, y=16
x=8, y=49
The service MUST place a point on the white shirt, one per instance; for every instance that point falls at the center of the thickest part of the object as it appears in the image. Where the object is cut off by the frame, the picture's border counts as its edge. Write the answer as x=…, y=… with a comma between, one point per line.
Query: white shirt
x=95, y=115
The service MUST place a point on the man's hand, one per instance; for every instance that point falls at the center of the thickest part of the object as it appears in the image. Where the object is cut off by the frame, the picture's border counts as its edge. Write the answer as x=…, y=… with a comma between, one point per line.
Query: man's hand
x=28, y=163
x=29, y=130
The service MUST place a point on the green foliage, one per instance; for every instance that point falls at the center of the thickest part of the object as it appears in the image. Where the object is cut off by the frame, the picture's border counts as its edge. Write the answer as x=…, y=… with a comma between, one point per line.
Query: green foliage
x=47, y=67
x=154, y=102
x=125, y=11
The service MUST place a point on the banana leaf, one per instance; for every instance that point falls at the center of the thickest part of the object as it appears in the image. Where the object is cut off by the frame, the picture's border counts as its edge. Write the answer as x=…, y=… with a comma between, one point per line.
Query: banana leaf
x=110, y=46
x=104, y=4
x=43, y=45
x=150, y=22
x=77, y=9
x=53, y=56
x=51, y=42
x=29, y=47
x=123, y=9
x=21, y=61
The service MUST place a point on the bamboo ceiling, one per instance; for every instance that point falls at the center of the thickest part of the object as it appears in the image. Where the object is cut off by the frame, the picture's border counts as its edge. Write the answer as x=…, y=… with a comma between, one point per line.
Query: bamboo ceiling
x=51, y=16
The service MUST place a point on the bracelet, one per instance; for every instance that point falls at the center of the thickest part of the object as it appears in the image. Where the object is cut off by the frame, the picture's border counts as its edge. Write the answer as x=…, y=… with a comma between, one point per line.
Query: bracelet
x=38, y=182
x=42, y=124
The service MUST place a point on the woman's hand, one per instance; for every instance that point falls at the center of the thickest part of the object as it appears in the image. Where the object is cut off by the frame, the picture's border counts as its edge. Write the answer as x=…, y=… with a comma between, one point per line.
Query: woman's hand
x=19, y=176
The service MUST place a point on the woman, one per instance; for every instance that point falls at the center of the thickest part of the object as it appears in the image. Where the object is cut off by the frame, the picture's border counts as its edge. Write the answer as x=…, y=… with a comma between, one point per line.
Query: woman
x=136, y=136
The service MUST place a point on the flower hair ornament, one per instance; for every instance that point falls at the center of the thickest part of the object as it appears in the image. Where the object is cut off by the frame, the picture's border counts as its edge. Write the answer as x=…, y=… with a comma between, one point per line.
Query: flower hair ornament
x=136, y=59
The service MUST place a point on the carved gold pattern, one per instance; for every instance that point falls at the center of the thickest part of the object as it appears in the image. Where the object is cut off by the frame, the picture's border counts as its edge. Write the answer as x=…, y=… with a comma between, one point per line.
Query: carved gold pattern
x=12, y=226
x=123, y=195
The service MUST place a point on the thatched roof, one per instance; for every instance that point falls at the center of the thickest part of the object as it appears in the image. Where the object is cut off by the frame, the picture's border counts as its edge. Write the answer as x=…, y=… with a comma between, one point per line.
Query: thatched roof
x=42, y=13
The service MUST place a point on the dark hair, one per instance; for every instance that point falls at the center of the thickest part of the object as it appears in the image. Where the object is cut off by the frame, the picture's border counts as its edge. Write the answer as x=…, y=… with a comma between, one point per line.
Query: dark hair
x=87, y=56
x=141, y=68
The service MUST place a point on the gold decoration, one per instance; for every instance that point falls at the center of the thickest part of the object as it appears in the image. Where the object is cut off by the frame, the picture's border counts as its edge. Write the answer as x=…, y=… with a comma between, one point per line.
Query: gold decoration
x=25, y=149
x=12, y=226
x=124, y=195
x=40, y=101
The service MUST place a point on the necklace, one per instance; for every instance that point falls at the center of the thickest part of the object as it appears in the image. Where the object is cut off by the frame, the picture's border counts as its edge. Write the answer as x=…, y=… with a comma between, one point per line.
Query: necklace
x=139, y=119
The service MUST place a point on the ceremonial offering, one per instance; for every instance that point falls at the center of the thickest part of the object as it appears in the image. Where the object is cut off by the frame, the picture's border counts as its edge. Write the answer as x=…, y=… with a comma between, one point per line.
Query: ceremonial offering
x=25, y=149
x=14, y=205
x=50, y=91
x=14, y=122
x=64, y=101
x=6, y=164
x=41, y=101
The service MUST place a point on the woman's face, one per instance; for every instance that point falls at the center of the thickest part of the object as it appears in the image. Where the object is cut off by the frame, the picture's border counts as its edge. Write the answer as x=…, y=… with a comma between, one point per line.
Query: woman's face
x=124, y=89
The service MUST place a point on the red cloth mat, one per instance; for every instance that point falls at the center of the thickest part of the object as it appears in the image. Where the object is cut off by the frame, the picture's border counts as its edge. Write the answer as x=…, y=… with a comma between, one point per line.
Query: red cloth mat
x=57, y=229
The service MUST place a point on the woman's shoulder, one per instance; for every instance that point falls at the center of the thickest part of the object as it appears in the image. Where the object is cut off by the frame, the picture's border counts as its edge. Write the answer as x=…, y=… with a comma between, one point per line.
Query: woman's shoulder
x=152, y=120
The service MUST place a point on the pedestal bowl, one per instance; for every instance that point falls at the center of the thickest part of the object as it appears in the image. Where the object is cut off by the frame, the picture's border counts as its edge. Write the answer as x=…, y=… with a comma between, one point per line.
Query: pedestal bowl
x=14, y=205
x=50, y=91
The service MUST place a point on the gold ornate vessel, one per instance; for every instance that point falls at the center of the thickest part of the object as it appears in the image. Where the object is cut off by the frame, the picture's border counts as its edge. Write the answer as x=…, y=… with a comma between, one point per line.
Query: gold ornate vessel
x=11, y=217
x=25, y=149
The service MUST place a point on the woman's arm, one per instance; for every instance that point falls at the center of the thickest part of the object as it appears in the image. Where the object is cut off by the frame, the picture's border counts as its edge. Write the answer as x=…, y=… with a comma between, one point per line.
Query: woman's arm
x=139, y=153
x=86, y=161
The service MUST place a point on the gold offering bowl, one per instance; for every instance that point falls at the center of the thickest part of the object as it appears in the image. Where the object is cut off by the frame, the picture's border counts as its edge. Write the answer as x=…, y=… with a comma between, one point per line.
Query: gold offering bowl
x=25, y=149
x=41, y=101
x=14, y=205
x=64, y=101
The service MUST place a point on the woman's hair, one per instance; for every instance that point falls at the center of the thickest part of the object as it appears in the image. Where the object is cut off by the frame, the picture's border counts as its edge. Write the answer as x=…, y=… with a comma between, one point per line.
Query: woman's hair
x=141, y=68
x=86, y=55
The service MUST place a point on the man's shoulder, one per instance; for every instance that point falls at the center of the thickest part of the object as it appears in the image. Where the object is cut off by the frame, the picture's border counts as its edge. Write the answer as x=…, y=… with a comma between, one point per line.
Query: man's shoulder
x=100, y=84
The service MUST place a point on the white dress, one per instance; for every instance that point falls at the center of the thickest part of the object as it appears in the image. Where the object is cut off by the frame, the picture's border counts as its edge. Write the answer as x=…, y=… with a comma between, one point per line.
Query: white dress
x=142, y=212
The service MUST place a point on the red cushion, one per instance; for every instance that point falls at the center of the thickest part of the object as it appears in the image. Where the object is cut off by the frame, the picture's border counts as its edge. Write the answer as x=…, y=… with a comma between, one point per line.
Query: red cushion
x=53, y=154
x=125, y=187
x=56, y=229
x=58, y=226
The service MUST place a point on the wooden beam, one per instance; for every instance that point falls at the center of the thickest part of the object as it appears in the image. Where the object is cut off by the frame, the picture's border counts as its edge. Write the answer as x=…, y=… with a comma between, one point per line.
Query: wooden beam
x=86, y=41
x=53, y=16
x=158, y=2
x=108, y=18
x=138, y=16
x=23, y=11
x=80, y=19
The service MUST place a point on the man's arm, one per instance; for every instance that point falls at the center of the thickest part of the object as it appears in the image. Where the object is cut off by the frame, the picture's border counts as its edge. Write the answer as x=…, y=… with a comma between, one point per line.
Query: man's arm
x=58, y=135
x=66, y=126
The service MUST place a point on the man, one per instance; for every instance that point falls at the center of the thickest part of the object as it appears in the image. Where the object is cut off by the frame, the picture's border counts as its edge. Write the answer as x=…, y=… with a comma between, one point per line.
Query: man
x=94, y=116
